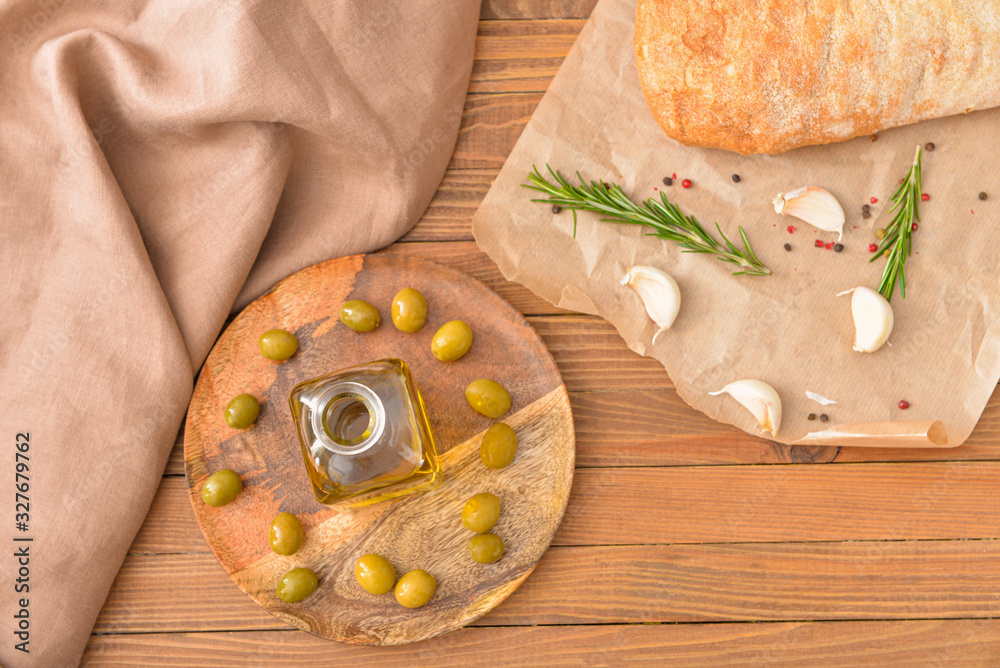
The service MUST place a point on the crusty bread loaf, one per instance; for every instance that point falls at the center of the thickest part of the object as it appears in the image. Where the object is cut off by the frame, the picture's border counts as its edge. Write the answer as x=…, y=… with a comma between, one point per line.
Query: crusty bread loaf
x=766, y=76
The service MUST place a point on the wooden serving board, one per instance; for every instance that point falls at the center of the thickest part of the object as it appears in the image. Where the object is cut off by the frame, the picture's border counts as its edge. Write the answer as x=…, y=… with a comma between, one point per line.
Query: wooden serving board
x=417, y=531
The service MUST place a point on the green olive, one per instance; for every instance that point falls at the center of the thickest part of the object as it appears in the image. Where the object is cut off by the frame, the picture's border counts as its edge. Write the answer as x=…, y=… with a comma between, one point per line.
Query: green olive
x=481, y=512
x=409, y=310
x=278, y=344
x=499, y=446
x=415, y=588
x=242, y=411
x=360, y=315
x=221, y=488
x=486, y=548
x=297, y=584
x=488, y=397
x=286, y=534
x=375, y=574
x=451, y=341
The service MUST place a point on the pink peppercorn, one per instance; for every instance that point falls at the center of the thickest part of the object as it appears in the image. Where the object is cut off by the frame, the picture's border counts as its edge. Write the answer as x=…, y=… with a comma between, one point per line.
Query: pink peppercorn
x=872, y=248
x=686, y=183
x=819, y=243
x=925, y=197
x=874, y=200
x=903, y=404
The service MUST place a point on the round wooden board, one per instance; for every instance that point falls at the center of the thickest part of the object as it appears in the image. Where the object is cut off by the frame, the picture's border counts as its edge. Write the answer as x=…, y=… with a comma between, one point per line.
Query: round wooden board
x=417, y=531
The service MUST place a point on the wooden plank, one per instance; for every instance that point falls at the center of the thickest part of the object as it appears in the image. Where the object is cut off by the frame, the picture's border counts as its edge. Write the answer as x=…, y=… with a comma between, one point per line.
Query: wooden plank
x=709, y=504
x=520, y=56
x=781, y=503
x=592, y=357
x=491, y=125
x=631, y=584
x=536, y=9
x=965, y=643
x=449, y=215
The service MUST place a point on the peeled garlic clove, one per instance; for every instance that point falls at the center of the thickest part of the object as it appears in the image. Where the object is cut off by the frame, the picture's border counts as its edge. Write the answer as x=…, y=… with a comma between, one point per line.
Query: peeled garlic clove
x=760, y=399
x=872, y=319
x=659, y=294
x=815, y=206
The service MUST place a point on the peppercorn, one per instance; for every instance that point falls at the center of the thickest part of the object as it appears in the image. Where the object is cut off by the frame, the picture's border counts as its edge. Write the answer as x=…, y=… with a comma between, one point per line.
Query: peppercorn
x=929, y=146
x=788, y=247
x=872, y=248
x=838, y=247
x=925, y=197
x=667, y=181
x=982, y=196
x=866, y=207
x=880, y=233
x=829, y=245
x=819, y=243
x=874, y=200
x=914, y=227
x=812, y=416
x=686, y=183
x=903, y=404
x=886, y=253
x=736, y=178
x=874, y=137
x=556, y=208
x=824, y=418
x=866, y=214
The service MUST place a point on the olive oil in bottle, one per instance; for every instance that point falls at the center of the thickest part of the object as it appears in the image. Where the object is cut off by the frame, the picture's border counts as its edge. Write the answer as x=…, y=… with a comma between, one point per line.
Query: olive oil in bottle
x=365, y=434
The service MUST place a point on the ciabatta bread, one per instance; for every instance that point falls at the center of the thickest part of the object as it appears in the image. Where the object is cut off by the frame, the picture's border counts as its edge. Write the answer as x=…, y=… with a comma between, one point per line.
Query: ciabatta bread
x=766, y=76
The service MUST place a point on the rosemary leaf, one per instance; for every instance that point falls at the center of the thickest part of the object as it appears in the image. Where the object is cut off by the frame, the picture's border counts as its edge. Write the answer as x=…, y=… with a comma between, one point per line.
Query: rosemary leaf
x=663, y=216
x=898, y=234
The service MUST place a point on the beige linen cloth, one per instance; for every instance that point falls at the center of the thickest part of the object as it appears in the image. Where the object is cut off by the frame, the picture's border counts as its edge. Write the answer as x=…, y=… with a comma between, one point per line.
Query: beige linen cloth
x=163, y=162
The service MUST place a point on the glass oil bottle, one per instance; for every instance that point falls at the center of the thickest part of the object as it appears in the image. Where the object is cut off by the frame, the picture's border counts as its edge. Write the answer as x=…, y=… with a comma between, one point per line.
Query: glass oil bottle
x=365, y=434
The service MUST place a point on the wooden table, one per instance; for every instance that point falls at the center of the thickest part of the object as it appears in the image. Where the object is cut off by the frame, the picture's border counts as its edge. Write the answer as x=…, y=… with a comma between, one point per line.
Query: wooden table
x=685, y=540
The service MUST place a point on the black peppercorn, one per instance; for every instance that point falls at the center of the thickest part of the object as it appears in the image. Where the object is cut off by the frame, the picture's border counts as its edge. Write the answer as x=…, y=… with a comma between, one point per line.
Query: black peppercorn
x=982, y=195
x=556, y=208
x=812, y=416
x=838, y=247
x=736, y=178
x=788, y=246
x=667, y=181
x=929, y=146
x=866, y=207
x=866, y=214
x=823, y=418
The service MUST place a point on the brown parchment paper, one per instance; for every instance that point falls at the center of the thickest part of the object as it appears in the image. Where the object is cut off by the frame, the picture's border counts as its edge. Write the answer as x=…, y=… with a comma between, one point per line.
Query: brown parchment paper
x=789, y=329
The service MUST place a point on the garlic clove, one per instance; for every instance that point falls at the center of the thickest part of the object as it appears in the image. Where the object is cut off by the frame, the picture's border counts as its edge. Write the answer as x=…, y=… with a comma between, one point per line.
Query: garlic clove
x=659, y=294
x=813, y=205
x=872, y=319
x=760, y=399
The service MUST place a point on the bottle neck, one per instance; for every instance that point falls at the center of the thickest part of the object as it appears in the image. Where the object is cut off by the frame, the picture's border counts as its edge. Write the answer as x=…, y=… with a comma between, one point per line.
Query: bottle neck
x=347, y=418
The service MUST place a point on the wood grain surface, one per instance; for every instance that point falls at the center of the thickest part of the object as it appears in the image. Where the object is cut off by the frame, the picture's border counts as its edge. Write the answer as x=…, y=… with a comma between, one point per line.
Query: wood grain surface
x=416, y=531
x=686, y=542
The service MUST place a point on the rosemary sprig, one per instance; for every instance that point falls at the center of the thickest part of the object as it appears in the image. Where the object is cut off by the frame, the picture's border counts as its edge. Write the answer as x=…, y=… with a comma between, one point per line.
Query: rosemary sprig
x=661, y=215
x=899, y=232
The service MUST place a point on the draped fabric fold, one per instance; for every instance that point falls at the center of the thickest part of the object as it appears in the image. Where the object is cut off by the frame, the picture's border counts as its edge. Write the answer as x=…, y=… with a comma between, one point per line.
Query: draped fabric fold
x=163, y=163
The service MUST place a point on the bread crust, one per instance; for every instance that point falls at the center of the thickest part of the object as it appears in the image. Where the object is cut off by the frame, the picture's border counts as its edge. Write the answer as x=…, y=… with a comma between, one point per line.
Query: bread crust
x=767, y=76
